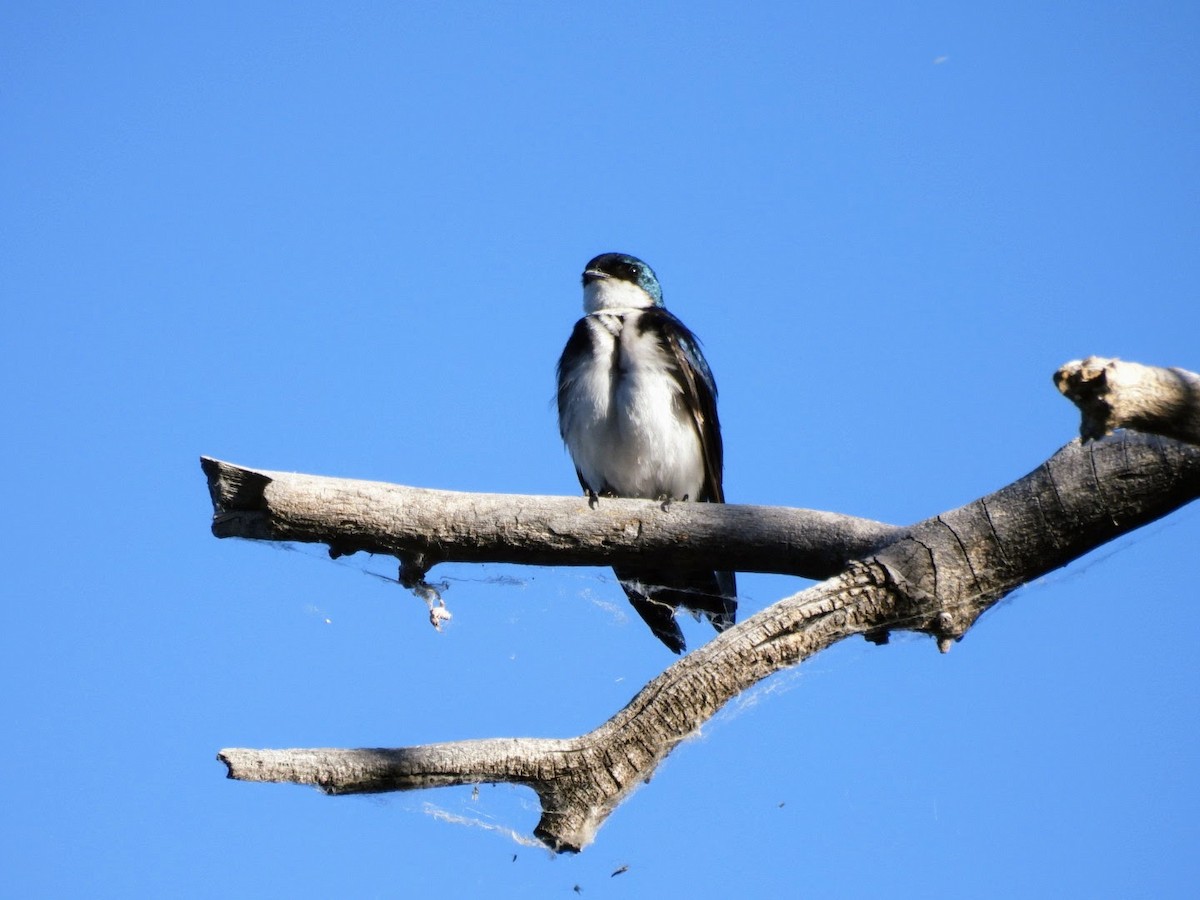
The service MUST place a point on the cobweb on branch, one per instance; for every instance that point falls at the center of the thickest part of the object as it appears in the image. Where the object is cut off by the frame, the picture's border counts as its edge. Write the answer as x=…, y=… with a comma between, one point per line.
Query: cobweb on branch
x=443, y=815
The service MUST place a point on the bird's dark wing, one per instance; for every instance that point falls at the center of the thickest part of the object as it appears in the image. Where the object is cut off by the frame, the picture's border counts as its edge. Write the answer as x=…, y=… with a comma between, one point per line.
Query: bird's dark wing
x=700, y=399
x=578, y=352
x=579, y=349
x=656, y=593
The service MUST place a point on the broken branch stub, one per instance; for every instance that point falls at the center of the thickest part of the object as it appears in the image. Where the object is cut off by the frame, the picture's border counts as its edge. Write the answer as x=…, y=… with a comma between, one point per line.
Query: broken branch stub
x=1112, y=394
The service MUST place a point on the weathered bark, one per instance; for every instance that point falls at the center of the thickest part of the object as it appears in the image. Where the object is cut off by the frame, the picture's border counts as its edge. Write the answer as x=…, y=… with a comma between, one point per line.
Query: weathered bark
x=936, y=577
x=1114, y=394
x=423, y=527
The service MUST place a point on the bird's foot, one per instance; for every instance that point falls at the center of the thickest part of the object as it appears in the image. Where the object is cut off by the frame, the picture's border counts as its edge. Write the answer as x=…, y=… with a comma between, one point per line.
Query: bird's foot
x=594, y=498
x=666, y=500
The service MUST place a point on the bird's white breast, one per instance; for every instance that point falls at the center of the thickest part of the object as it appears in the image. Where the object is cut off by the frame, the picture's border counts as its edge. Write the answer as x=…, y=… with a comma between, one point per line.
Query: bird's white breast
x=626, y=423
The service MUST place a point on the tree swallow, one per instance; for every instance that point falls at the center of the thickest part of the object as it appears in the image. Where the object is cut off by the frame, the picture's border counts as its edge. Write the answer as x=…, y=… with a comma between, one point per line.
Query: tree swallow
x=637, y=409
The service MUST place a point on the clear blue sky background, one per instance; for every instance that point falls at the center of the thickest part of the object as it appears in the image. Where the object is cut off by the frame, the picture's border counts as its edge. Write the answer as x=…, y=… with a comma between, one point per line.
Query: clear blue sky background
x=346, y=239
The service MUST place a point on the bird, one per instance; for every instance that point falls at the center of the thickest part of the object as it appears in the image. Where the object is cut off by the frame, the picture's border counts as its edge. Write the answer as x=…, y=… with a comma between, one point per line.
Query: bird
x=637, y=410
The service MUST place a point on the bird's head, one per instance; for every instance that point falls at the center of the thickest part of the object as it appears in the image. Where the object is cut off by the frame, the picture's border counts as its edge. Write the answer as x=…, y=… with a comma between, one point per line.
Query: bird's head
x=619, y=281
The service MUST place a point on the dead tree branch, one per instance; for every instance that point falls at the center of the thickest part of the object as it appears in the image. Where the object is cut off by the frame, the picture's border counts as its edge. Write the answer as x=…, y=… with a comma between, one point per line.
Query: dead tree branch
x=936, y=577
x=423, y=527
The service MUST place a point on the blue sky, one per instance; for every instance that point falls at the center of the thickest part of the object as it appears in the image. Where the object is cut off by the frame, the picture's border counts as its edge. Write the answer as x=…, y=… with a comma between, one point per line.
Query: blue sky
x=346, y=239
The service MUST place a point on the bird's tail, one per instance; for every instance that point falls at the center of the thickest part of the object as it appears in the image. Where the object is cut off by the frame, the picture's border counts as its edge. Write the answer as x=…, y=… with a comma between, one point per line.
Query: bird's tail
x=658, y=594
